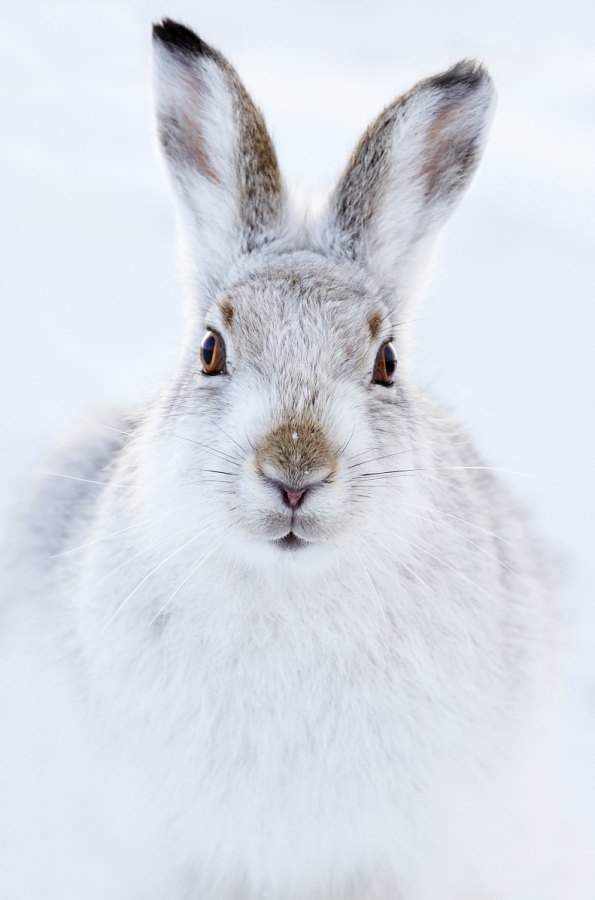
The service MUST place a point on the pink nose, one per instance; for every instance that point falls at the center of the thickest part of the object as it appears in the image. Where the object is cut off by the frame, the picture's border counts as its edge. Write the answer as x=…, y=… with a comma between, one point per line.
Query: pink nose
x=292, y=498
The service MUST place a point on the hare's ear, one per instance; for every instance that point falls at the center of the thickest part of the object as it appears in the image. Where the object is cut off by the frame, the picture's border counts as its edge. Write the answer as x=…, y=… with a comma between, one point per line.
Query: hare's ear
x=221, y=159
x=406, y=175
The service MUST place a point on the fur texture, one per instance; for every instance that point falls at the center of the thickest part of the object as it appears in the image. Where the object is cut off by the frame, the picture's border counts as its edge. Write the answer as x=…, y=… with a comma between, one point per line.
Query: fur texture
x=353, y=697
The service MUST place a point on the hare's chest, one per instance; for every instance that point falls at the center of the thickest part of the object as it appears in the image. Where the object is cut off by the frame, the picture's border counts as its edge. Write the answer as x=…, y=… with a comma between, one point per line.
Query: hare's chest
x=269, y=702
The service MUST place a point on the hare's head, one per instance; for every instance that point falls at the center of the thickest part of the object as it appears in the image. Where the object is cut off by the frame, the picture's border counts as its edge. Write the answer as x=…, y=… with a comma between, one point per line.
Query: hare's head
x=289, y=391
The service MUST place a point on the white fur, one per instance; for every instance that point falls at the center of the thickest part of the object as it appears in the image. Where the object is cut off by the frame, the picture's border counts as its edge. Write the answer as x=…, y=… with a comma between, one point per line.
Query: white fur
x=370, y=716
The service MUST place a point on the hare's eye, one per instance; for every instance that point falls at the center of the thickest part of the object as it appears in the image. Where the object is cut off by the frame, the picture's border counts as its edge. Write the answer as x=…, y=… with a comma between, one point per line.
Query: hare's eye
x=212, y=353
x=386, y=365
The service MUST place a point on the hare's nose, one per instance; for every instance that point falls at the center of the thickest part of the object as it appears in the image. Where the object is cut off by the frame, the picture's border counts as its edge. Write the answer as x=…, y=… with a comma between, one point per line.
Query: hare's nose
x=290, y=497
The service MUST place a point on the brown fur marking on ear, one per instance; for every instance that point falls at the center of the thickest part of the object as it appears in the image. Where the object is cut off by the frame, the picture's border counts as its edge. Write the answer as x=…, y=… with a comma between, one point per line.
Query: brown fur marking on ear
x=299, y=459
x=261, y=178
x=258, y=169
x=374, y=322
x=181, y=134
x=263, y=167
x=448, y=160
x=369, y=162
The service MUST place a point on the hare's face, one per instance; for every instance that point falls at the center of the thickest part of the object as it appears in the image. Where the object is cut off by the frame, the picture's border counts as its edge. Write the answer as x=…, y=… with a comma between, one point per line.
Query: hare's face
x=281, y=433
x=298, y=411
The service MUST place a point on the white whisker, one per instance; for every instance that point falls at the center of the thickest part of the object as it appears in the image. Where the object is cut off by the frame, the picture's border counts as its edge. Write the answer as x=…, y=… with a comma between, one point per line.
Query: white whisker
x=371, y=582
x=442, y=562
x=146, y=550
x=113, y=534
x=152, y=572
x=129, y=487
x=404, y=564
x=469, y=541
x=458, y=518
x=101, y=425
x=403, y=472
x=191, y=573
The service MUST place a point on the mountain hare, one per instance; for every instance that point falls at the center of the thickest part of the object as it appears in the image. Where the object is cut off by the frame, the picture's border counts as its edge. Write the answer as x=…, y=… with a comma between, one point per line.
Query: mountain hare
x=282, y=634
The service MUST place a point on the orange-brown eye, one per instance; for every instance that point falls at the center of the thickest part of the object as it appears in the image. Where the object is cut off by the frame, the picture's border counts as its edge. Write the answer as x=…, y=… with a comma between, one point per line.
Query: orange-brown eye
x=212, y=353
x=386, y=364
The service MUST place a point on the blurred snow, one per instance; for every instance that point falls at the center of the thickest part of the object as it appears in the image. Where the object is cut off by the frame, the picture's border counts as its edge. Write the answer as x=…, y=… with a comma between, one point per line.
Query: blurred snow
x=91, y=308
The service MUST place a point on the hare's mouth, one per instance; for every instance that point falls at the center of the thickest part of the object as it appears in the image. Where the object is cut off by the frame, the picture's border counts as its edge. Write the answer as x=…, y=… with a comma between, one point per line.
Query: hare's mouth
x=290, y=542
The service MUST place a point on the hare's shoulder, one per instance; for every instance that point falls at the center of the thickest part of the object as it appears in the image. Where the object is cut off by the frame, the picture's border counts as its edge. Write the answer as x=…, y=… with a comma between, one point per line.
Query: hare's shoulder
x=65, y=489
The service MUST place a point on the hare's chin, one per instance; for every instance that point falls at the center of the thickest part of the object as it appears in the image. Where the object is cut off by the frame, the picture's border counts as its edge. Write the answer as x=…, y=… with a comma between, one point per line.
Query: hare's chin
x=293, y=553
x=291, y=542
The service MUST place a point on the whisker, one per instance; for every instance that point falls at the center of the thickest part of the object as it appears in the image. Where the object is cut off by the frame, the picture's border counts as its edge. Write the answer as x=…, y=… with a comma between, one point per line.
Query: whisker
x=406, y=450
x=458, y=518
x=344, y=448
x=132, y=508
x=229, y=560
x=209, y=481
x=152, y=572
x=404, y=473
x=404, y=564
x=469, y=541
x=220, y=453
x=130, y=487
x=243, y=449
x=365, y=462
x=249, y=441
x=146, y=550
x=180, y=437
x=449, y=468
x=371, y=582
x=361, y=452
x=153, y=466
x=212, y=550
x=113, y=534
x=441, y=561
x=101, y=425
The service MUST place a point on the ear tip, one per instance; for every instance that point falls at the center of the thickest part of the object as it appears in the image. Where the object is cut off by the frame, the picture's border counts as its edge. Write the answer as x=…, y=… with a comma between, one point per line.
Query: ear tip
x=468, y=76
x=180, y=39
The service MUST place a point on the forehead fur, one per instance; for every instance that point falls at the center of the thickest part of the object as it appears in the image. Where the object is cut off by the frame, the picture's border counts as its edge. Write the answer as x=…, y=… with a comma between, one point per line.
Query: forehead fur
x=303, y=298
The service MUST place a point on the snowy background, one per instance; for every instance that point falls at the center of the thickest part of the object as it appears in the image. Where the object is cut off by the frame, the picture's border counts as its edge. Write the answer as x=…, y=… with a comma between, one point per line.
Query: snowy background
x=90, y=299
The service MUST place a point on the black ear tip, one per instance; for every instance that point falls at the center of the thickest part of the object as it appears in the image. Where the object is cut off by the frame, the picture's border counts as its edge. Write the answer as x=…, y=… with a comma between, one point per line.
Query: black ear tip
x=468, y=74
x=180, y=39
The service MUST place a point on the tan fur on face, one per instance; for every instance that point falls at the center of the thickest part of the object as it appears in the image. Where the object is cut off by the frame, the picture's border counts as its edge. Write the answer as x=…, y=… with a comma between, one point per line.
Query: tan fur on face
x=297, y=460
x=374, y=323
x=227, y=312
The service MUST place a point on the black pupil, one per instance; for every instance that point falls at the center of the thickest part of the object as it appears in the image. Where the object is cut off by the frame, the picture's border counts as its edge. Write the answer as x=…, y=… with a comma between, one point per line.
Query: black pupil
x=390, y=360
x=208, y=349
